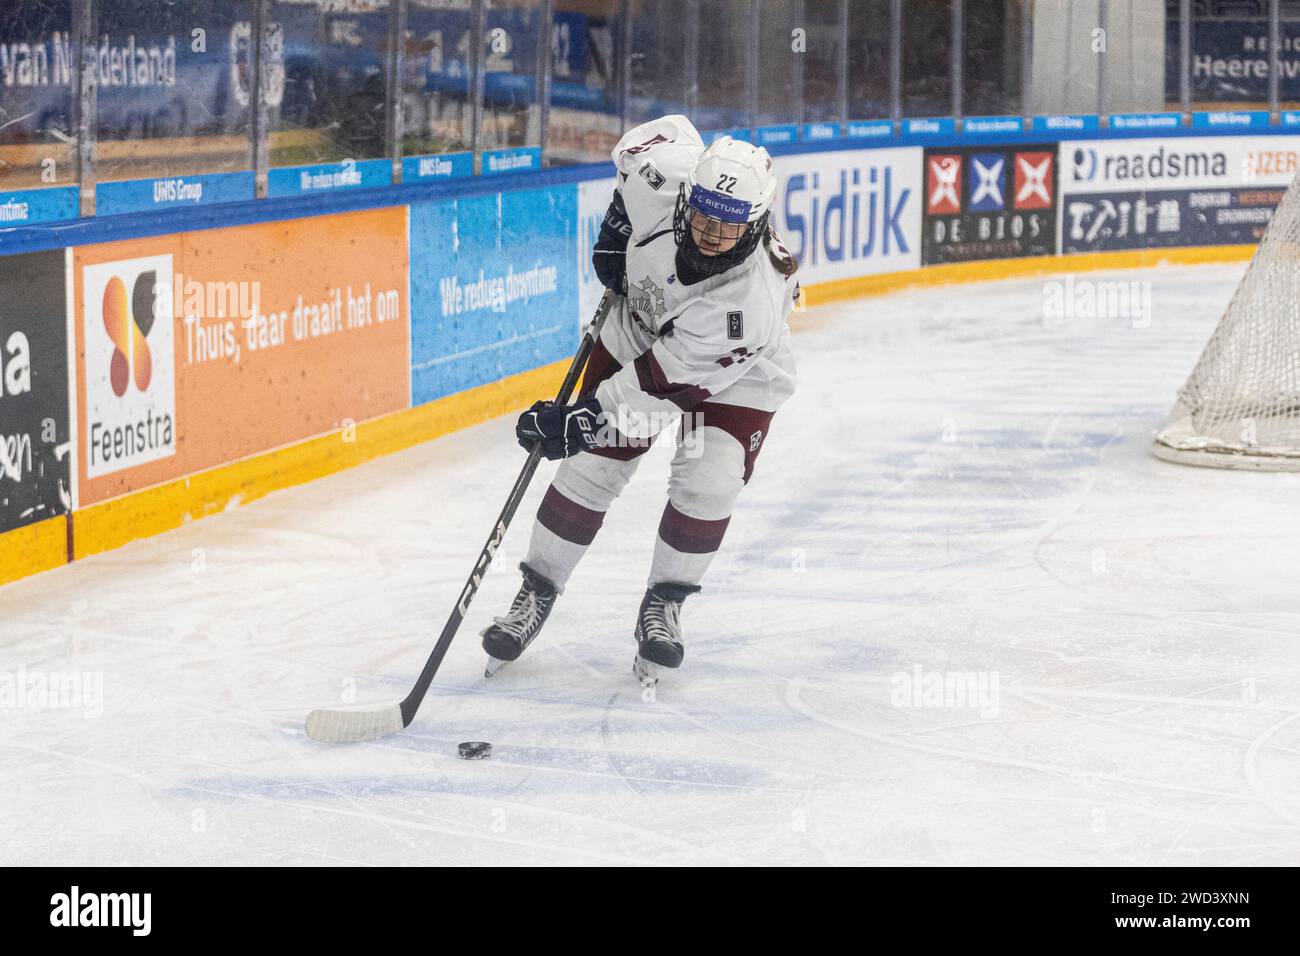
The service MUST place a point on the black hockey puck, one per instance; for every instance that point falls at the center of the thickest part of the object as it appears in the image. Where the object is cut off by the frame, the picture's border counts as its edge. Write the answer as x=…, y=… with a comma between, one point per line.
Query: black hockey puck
x=475, y=749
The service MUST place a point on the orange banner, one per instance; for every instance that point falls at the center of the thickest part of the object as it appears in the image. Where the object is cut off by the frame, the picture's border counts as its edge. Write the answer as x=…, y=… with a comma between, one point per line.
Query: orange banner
x=201, y=348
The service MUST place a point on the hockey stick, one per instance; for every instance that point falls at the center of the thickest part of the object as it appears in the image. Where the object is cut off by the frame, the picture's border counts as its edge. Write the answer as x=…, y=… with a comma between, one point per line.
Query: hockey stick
x=340, y=725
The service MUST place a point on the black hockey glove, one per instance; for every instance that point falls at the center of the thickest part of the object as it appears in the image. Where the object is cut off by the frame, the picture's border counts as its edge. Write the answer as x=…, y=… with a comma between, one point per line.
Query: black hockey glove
x=609, y=256
x=563, y=430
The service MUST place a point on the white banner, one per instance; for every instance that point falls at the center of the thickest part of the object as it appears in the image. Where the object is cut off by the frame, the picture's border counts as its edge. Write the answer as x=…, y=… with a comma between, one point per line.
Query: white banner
x=850, y=213
x=1176, y=162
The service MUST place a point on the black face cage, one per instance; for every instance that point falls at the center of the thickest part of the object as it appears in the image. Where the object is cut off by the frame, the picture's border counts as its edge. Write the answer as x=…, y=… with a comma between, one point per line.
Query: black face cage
x=712, y=265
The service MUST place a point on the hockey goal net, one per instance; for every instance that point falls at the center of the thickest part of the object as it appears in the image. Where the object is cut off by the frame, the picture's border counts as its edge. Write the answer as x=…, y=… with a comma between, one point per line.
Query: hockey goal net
x=1241, y=406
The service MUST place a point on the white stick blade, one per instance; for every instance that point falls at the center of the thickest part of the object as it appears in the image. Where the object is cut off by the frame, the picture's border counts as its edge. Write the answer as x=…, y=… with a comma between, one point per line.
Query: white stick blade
x=336, y=725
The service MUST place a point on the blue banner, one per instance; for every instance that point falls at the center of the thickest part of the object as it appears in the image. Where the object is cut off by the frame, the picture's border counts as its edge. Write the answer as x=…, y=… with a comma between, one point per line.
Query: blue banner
x=494, y=287
x=1231, y=120
x=442, y=166
x=329, y=177
x=519, y=159
x=137, y=195
x=869, y=129
x=1145, y=121
x=937, y=126
x=816, y=132
x=24, y=207
x=1066, y=124
x=738, y=132
x=776, y=135
x=991, y=125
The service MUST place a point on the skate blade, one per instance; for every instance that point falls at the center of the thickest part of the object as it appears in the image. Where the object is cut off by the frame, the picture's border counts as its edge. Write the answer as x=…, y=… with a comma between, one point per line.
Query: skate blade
x=494, y=665
x=647, y=672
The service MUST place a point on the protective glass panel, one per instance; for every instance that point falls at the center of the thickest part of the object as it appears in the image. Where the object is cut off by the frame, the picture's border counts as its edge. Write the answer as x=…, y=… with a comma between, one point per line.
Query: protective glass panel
x=585, y=120
x=511, y=116
x=821, y=61
x=661, y=75
x=173, y=87
x=725, y=32
x=36, y=61
x=436, y=76
x=927, y=58
x=780, y=88
x=1133, y=56
x=334, y=58
x=992, y=60
x=868, y=39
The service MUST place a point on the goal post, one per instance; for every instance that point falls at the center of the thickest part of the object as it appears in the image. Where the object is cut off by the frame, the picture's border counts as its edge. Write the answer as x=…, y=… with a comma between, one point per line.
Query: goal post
x=1240, y=407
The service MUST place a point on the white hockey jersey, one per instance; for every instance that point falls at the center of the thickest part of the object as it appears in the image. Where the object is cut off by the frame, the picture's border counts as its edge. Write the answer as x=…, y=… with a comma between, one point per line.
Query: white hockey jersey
x=723, y=339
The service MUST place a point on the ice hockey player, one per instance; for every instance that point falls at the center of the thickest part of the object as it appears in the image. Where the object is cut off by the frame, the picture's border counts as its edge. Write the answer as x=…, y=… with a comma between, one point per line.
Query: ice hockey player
x=701, y=333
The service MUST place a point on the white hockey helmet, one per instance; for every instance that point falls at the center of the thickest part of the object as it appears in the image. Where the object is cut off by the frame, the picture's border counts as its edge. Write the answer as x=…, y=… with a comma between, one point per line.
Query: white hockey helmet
x=723, y=207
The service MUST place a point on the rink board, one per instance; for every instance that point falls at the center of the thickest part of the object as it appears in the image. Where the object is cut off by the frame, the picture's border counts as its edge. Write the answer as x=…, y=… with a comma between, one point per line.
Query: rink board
x=207, y=360
x=113, y=523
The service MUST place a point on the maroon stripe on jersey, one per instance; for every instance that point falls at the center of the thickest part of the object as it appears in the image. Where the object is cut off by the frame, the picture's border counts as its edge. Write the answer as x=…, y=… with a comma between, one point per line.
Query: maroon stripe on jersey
x=691, y=535
x=749, y=426
x=600, y=366
x=651, y=379
x=568, y=519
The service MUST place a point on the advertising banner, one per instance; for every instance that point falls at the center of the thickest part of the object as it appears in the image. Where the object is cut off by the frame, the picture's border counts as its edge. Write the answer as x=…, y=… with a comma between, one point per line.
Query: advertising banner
x=34, y=445
x=1188, y=191
x=1231, y=59
x=197, y=349
x=989, y=202
x=494, y=287
x=594, y=197
x=850, y=213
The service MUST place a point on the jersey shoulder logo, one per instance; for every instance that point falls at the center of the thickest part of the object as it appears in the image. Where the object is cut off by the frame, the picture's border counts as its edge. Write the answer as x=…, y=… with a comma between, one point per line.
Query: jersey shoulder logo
x=735, y=325
x=647, y=297
x=652, y=175
x=755, y=440
x=642, y=147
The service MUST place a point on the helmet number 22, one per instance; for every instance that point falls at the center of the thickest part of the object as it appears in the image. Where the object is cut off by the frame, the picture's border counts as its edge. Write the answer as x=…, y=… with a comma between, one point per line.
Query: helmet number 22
x=726, y=184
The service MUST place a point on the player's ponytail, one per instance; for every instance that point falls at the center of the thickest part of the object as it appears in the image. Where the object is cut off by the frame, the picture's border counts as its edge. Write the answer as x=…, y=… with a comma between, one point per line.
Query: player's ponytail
x=780, y=256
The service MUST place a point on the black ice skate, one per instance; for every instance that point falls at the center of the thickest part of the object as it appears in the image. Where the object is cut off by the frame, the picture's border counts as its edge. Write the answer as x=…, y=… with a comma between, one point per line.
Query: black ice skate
x=508, y=637
x=659, y=630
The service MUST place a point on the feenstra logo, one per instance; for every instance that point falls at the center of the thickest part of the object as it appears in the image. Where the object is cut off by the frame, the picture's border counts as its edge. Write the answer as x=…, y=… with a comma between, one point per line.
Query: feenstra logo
x=130, y=374
x=127, y=323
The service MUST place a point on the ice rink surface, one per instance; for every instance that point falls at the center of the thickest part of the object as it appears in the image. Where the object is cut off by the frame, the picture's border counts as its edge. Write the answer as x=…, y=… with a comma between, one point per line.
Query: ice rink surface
x=961, y=489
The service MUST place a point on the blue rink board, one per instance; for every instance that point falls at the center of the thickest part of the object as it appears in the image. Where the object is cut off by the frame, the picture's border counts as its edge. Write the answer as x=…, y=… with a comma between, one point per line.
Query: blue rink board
x=494, y=287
